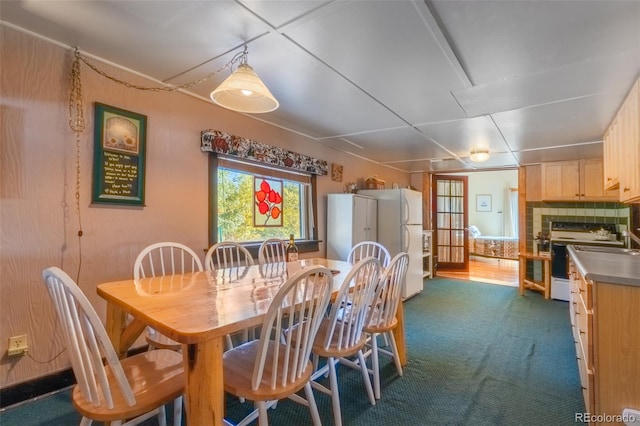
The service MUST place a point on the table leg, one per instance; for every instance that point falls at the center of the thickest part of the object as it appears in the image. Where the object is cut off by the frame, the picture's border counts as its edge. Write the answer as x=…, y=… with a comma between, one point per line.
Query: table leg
x=116, y=322
x=546, y=266
x=204, y=388
x=522, y=271
x=122, y=336
x=398, y=334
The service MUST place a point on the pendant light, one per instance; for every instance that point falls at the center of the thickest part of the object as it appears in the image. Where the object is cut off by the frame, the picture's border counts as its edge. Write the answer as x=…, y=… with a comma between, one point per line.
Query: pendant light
x=243, y=91
x=478, y=155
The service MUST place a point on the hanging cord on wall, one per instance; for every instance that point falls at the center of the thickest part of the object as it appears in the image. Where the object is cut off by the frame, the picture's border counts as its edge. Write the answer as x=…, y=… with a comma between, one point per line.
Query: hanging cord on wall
x=76, y=114
x=77, y=125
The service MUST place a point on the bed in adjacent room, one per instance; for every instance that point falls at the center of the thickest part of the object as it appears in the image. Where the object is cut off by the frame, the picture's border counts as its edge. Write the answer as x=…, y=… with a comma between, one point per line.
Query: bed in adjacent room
x=492, y=246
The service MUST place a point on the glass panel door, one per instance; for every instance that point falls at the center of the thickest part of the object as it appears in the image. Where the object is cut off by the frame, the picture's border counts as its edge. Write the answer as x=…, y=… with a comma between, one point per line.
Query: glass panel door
x=450, y=218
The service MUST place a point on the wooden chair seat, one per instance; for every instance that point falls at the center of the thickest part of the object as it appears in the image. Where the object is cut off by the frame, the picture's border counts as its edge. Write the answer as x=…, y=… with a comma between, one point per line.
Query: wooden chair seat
x=337, y=348
x=160, y=341
x=109, y=389
x=277, y=365
x=238, y=369
x=382, y=319
x=380, y=328
x=341, y=334
x=156, y=377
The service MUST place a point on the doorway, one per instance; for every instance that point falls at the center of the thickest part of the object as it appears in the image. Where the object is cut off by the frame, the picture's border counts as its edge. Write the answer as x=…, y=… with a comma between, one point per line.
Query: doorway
x=493, y=219
x=450, y=222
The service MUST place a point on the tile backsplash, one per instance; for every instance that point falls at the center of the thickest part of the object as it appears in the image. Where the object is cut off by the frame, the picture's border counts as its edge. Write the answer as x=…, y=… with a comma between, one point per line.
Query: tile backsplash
x=540, y=214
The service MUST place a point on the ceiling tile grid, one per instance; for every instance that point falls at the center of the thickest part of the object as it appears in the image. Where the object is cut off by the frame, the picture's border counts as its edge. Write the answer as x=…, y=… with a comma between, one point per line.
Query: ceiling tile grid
x=409, y=84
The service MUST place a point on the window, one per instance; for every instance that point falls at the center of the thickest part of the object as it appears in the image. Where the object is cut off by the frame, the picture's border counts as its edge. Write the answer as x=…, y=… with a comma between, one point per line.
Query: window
x=251, y=202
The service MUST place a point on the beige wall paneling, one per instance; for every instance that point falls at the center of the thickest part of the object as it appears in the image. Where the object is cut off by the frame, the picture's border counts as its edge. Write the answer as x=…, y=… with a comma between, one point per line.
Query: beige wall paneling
x=38, y=216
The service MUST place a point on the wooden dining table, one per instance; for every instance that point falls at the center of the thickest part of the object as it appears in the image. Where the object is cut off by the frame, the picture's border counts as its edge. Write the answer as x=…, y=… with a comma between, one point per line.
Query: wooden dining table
x=199, y=310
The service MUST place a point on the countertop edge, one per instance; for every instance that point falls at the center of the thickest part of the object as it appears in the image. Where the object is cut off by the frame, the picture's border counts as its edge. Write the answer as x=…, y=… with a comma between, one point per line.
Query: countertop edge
x=582, y=258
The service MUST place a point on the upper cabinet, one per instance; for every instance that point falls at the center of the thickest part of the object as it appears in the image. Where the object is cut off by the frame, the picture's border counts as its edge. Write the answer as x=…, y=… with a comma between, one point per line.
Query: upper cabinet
x=580, y=180
x=622, y=148
x=533, y=190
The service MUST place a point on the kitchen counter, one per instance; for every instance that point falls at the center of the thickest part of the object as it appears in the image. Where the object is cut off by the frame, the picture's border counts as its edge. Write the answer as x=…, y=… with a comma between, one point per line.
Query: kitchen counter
x=607, y=267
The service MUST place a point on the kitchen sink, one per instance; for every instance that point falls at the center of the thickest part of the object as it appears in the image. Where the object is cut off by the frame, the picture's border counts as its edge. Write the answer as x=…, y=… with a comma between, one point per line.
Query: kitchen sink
x=612, y=250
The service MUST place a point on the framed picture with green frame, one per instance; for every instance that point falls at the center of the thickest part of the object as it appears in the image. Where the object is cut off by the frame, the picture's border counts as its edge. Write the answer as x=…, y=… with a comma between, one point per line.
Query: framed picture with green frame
x=119, y=156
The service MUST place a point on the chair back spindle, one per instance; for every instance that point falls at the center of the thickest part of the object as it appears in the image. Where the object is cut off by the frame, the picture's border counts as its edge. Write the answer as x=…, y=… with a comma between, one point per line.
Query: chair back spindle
x=85, y=335
x=227, y=255
x=369, y=249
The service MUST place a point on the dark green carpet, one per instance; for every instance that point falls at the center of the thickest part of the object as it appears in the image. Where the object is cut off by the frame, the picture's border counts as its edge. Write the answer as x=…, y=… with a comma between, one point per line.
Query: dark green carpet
x=479, y=354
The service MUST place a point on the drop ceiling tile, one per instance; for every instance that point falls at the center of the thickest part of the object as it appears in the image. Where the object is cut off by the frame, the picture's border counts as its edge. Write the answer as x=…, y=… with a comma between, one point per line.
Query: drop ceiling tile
x=387, y=49
x=604, y=75
x=279, y=12
x=460, y=136
x=157, y=39
x=391, y=145
x=449, y=165
x=562, y=123
x=575, y=152
x=528, y=37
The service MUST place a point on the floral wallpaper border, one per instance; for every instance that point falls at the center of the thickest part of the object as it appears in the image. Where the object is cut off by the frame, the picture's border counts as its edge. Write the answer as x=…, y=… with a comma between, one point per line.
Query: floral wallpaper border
x=224, y=143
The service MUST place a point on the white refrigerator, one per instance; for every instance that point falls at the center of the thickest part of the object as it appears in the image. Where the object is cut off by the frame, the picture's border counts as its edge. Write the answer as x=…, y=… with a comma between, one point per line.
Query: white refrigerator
x=400, y=229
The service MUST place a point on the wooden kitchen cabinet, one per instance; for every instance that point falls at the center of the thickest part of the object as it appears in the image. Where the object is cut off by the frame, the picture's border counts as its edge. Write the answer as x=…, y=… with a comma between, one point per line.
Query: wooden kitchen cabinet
x=629, y=145
x=604, y=321
x=612, y=156
x=351, y=218
x=533, y=179
x=580, y=180
x=622, y=148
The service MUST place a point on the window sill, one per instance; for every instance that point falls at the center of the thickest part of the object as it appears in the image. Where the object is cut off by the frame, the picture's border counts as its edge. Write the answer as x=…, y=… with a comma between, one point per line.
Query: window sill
x=304, y=246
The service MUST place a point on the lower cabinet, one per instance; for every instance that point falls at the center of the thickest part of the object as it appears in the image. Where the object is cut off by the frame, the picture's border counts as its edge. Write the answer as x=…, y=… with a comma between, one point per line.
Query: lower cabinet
x=605, y=320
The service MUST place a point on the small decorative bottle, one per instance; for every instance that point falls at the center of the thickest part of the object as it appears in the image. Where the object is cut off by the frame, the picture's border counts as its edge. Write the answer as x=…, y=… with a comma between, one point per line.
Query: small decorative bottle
x=292, y=250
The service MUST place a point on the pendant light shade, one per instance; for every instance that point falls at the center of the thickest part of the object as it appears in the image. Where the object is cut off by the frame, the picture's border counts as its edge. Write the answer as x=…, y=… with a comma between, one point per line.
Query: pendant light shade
x=478, y=155
x=243, y=91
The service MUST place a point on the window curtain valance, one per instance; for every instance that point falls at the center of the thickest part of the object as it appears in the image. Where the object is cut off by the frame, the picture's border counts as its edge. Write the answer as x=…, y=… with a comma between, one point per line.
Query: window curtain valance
x=224, y=143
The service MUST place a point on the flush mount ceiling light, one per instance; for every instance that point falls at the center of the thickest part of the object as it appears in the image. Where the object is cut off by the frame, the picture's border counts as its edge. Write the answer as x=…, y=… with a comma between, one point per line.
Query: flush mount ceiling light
x=243, y=91
x=478, y=155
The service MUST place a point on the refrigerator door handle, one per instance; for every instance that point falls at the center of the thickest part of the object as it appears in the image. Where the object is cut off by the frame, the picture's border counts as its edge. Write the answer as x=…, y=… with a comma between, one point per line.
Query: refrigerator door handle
x=407, y=239
x=405, y=210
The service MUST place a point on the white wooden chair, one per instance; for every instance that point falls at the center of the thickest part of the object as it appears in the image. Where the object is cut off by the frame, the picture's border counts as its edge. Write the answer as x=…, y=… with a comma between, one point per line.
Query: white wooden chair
x=270, y=368
x=369, y=248
x=134, y=388
x=161, y=259
x=381, y=319
x=341, y=333
x=229, y=257
x=272, y=257
x=273, y=250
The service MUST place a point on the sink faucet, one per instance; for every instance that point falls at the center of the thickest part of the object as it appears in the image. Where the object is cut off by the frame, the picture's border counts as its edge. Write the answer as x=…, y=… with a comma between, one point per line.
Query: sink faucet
x=632, y=236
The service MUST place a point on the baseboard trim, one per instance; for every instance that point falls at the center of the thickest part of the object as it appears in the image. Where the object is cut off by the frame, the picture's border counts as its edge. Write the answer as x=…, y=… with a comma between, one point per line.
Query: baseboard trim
x=34, y=388
x=21, y=392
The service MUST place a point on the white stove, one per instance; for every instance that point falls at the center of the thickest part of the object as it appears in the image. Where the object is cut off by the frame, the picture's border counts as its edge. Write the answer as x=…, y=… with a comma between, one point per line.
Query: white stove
x=584, y=233
x=563, y=234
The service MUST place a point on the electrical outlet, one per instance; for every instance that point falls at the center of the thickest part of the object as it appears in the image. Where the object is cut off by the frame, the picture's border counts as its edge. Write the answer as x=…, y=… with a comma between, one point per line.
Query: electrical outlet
x=17, y=345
